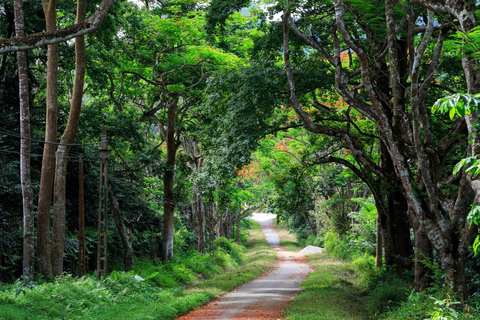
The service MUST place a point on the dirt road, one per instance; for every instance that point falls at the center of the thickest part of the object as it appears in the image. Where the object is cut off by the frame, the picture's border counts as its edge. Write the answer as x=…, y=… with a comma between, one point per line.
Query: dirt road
x=266, y=296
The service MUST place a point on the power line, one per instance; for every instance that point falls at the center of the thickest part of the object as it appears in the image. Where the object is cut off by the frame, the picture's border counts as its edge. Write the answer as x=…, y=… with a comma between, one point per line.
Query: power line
x=53, y=157
x=16, y=135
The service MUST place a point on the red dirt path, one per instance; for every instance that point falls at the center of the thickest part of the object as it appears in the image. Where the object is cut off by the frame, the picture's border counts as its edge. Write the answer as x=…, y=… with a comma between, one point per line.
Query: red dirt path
x=266, y=296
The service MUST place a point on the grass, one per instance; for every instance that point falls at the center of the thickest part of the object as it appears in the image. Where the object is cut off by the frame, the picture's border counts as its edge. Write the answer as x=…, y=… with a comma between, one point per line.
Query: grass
x=331, y=292
x=170, y=289
x=288, y=240
x=258, y=259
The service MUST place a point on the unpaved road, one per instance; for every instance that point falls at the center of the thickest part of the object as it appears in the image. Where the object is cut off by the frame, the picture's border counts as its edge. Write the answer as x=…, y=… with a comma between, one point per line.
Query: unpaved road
x=266, y=296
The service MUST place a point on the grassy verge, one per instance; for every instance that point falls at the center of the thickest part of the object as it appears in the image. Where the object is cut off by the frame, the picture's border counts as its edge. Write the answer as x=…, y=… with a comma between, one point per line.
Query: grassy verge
x=288, y=240
x=257, y=260
x=331, y=292
x=166, y=291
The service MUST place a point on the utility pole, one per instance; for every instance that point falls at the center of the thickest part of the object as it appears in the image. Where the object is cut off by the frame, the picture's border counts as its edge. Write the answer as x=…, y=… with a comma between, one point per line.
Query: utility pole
x=81, y=221
x=102, y=208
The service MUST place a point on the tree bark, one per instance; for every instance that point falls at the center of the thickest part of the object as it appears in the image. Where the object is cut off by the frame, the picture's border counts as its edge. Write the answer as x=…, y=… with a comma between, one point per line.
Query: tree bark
x=192, y=150
x=238, y=231
x=48, y=161
x=396, y=234
x=54, y=36
x=423, y=253
x=201, y=245
x=25, y=147
x=168, y=183
x=379, y=244
x=59, y=209
x=124, y=233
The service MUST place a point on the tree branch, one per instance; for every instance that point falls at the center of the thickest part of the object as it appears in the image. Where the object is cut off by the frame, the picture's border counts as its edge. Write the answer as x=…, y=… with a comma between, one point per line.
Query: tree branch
x=56, y=36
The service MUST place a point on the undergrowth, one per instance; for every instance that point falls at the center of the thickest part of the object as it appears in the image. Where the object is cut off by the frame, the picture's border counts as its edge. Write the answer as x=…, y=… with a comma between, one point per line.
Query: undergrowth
x=346, y=275
x=151, y=291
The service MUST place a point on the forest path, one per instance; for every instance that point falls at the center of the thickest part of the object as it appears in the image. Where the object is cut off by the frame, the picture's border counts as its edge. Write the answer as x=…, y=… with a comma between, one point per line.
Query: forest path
x=266, y=296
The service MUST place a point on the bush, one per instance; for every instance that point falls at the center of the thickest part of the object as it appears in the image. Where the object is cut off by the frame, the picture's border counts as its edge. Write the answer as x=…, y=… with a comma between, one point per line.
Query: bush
x=223, y=259
x=339, y=247
x=314, y=241
x=230, y=247
x=387, y=295
x=202, y=264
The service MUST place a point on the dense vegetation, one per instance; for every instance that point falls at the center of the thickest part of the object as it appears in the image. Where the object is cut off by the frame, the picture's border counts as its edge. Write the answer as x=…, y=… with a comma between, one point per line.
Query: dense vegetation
x=354, y=121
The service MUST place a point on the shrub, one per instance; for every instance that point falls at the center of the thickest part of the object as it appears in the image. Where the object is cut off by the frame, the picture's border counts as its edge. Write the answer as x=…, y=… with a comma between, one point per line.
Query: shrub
x=340, y=247
x=314, y=241
x=387, y=295
x=229, y=247
x=223, y=259
x=202, y=264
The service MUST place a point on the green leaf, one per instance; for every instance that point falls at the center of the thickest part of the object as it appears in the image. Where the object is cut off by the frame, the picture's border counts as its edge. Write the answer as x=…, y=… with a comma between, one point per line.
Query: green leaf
x=476, y=245
x=462, y=163
x=151, y=276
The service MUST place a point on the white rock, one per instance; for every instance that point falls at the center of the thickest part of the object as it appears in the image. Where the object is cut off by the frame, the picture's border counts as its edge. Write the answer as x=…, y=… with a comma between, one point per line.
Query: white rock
x=138, y=278
x=311, y=249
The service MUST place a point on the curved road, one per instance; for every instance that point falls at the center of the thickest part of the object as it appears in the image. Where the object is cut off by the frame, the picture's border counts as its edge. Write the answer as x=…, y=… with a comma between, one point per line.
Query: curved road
x=266, y=296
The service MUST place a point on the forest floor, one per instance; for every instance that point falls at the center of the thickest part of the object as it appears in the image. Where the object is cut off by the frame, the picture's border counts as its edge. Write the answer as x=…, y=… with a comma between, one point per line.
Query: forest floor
x=267, y=296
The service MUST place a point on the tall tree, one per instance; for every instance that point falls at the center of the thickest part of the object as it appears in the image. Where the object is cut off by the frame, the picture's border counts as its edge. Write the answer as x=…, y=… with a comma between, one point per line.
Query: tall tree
x=59, y=200
x=403, y=123
x=25, y=147
x=169, y=181
x=48, y=162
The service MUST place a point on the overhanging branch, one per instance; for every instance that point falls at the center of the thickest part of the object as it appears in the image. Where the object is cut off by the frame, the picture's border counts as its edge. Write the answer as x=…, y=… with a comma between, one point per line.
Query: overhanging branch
x=61, y=35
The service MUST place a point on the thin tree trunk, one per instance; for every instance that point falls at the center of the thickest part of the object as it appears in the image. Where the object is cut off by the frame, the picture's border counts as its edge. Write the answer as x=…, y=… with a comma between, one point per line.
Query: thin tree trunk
x=59, y=210
x=379, y=244
x=122, y=229
x=201, y=221
x=168, y=183
x=239, y=229
x=25, y=147
x=228, y=224
x=48, y=161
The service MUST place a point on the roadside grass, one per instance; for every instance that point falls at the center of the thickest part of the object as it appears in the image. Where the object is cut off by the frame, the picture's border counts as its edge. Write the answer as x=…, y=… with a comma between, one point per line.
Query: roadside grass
x=167, y=291
x=288, y=240
x=258, y=259
x=331, y=292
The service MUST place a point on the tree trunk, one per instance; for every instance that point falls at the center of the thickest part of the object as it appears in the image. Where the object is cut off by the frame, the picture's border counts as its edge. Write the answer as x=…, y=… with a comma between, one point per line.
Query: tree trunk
x=228, y=224
x=25, y=147
x=423, y=252
x=59, y=210
x=239, y=229
x=201, y=247
x=168, y=183
x=396, y=234
x=379, y=244
x=48, y=161
x=122, y=229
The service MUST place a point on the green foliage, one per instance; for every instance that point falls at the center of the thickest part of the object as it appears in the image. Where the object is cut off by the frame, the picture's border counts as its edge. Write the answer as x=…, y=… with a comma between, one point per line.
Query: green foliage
x=220, y=10
x=423, y=305
x=468, y=44
x=458, y=104
x=339, y=247
x=387, y=295
x=151, y=291
x=461, y=105
x=363, y=227
x=229, y=247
